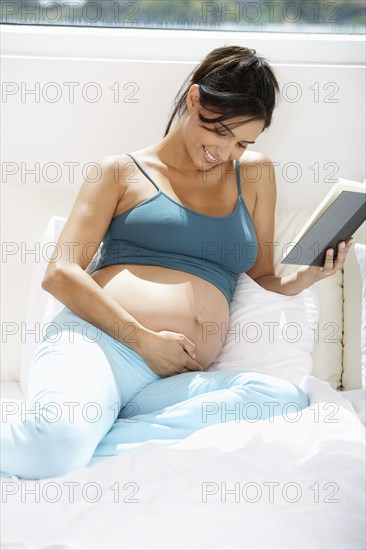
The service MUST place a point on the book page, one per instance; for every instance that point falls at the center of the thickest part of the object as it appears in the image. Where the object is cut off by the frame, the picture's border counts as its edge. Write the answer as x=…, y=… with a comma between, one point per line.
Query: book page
x=329, y=198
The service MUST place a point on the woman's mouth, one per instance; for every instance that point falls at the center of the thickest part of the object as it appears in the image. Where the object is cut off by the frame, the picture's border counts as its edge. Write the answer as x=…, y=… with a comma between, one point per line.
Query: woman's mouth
x=208, y=156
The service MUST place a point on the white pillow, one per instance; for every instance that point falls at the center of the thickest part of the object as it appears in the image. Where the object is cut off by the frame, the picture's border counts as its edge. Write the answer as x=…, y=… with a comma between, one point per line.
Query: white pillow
x=328, y=349
x=269, y=332
x=40, y=303
x=360, y=252
x=42, y=306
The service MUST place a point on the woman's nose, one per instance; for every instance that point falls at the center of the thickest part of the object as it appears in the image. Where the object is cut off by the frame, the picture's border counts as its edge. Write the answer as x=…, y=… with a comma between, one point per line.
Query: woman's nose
x=227, y=153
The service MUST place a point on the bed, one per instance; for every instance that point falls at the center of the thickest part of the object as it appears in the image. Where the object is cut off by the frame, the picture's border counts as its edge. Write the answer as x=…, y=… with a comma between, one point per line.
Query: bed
x=291, y=481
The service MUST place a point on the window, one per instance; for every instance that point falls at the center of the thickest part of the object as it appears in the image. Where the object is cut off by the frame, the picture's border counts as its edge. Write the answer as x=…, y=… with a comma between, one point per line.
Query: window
x=285, y=16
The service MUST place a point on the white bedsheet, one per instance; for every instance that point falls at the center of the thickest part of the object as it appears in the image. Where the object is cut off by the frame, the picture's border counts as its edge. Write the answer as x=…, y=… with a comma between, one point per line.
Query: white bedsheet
x=174, y=497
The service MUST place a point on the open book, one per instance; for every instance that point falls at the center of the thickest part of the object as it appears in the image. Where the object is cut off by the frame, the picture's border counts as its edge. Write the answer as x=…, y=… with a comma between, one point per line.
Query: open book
x=337, y=217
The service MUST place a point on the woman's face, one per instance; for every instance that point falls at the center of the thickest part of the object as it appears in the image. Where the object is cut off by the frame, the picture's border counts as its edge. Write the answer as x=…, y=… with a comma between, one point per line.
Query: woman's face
x=210, y=144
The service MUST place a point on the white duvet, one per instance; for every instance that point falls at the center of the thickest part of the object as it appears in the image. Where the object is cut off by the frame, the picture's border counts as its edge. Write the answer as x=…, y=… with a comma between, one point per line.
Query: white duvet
x=280, y=483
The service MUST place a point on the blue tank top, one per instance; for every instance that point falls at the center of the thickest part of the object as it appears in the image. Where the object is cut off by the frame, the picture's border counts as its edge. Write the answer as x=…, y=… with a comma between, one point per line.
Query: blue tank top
x=160, y=231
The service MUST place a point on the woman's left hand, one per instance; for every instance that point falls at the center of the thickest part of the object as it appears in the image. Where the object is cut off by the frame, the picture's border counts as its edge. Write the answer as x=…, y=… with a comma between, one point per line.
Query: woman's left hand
x=331, y=266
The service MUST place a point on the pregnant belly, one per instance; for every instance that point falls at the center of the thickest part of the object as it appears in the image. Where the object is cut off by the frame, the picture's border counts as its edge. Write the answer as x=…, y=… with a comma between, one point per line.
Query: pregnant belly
x=165, y=299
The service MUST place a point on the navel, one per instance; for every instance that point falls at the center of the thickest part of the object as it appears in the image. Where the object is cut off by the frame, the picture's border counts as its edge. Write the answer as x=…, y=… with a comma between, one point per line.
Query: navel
x=197, y=320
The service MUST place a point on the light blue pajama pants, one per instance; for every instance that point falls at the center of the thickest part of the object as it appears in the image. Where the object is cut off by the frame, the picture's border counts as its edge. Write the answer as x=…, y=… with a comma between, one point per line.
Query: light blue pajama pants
x=91, y=395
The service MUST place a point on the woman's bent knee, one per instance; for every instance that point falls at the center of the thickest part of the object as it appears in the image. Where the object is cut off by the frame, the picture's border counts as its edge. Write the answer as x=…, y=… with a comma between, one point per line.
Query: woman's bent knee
x=290, y=399
x=301, y=397
x=52, y=451
x=271, y=396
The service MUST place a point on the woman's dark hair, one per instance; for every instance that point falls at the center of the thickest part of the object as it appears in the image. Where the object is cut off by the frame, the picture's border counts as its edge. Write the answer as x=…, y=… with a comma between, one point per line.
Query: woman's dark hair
x=233, y=81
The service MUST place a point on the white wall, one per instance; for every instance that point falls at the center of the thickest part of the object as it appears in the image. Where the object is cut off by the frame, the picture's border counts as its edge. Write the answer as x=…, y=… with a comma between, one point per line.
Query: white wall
x=314, y=141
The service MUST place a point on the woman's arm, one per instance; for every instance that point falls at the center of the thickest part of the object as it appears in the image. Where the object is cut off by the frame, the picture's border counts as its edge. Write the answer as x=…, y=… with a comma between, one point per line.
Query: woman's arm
x=166, y=353
x=262, y=272
x=66, y=278
x=307, y=275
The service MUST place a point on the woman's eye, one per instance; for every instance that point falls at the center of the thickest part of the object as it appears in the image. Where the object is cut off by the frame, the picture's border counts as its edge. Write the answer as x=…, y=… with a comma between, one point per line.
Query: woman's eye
x=220, y=133
x=217, y=131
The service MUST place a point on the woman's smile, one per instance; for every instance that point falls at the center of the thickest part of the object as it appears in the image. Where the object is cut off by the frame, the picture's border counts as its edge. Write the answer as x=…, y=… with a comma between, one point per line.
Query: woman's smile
x=208, y=156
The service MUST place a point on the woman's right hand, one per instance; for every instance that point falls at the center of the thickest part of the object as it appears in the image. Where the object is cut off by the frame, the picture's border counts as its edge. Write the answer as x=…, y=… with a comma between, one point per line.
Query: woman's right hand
x=168, y=353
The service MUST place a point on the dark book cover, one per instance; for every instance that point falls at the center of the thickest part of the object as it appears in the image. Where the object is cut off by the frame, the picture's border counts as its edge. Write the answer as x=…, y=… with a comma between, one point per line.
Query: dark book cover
x=343, y=217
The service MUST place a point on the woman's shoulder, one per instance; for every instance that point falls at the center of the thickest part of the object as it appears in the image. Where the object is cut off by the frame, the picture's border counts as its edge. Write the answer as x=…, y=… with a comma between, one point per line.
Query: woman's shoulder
x=253, y=157
x=108, y=161
x=257, y=169
x=117, y=165
x=257, y=175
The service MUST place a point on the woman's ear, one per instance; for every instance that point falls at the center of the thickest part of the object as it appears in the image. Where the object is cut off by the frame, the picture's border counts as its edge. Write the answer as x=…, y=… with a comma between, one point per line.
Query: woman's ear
x=193, y=97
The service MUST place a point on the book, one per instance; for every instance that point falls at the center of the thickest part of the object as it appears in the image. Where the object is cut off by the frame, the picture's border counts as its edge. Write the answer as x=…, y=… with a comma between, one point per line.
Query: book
x=338, y=216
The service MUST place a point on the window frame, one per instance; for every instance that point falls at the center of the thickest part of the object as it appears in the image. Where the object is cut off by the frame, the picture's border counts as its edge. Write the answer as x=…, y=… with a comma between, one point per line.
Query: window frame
x=184, y=45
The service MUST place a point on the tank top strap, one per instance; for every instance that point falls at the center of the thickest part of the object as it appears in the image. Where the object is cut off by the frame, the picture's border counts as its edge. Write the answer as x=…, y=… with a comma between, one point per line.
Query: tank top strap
x=237, y=168
x=143, y=171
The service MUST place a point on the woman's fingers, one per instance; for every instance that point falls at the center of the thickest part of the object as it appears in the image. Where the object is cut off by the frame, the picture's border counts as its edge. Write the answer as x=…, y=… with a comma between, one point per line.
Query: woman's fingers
x=192, y=364
x=189, y=347
x=343, y=248
x=168, y=353
x=330, y=263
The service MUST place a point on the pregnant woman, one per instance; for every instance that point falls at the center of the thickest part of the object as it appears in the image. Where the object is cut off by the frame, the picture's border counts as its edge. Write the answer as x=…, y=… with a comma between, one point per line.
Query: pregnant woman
x=124, y=361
